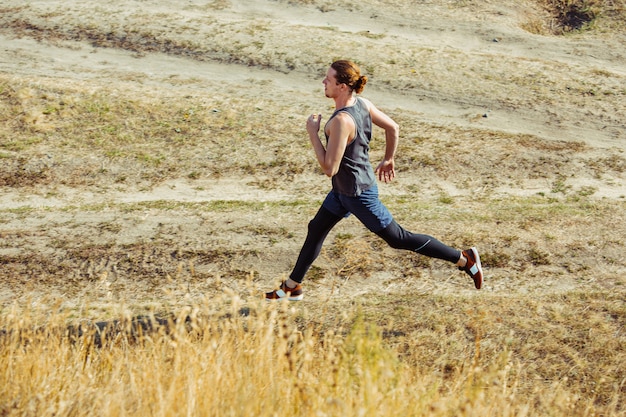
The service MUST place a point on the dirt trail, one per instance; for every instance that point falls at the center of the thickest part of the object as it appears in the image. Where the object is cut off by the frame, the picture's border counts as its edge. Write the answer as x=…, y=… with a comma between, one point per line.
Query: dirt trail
x=81, y=61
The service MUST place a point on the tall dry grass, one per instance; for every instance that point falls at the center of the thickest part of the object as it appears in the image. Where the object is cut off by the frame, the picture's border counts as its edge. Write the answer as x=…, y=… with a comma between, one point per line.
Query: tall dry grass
x=228, y=359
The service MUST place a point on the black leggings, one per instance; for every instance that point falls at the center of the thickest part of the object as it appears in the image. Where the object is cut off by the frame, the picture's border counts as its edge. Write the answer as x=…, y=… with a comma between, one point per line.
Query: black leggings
x=394, y=235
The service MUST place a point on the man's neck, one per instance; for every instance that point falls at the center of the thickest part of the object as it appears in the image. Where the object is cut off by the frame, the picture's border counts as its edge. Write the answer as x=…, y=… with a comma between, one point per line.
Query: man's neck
x=344, y=101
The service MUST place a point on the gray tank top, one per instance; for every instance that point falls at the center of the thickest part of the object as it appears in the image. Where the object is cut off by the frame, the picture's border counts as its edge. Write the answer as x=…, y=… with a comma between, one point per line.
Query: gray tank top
x=355, y=173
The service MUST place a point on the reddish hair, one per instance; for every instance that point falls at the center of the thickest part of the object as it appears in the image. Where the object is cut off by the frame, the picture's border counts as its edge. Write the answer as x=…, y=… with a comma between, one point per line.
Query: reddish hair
x=349, y=73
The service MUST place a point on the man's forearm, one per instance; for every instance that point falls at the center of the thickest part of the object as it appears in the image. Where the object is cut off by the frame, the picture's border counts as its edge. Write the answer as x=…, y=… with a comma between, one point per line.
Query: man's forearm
x=320, y=151
x=391, y=145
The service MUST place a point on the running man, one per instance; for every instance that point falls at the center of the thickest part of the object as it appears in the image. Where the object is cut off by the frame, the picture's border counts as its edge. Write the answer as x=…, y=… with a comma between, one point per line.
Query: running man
x=345, y=159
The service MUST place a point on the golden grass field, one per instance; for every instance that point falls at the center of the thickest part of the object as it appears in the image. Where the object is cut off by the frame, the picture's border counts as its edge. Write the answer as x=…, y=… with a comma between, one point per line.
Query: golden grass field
x=156, y=179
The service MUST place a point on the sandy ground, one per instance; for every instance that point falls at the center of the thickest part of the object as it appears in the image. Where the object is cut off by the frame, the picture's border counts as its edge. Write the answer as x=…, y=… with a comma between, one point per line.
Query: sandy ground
x=478, y=30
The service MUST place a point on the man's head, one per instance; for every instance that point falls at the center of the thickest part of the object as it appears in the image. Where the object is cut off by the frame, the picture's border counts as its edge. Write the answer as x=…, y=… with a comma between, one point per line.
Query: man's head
x=344, y=72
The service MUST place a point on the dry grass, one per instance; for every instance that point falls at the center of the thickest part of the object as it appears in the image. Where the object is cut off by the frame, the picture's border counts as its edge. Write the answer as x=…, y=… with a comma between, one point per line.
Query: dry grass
x=437, y=356
x=195, y=137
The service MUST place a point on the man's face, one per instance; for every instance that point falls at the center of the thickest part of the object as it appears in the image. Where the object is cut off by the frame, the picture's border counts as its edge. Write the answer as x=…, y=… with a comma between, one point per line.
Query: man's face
x=331, y=87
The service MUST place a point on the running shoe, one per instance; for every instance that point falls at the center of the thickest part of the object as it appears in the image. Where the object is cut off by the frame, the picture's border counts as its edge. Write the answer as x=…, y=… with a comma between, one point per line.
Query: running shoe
x=292, y=294
x=473, y=268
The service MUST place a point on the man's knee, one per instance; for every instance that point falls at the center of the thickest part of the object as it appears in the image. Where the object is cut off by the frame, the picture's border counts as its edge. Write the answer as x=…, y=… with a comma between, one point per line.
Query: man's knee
x=323, y=221
x=393, y=235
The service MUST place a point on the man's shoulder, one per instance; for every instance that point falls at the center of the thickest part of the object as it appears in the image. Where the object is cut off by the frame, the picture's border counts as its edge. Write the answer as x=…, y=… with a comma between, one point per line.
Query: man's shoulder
x=341, y=118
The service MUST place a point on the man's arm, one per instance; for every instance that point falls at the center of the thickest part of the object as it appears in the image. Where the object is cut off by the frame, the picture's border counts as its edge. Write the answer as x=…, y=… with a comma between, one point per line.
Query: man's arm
x=341, y=128
x=386, y=168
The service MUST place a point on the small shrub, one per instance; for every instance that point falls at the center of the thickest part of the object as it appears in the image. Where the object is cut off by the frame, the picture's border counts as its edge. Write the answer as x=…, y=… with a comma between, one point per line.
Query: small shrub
x=538, y=257
x=496, y=259
x=571, y=15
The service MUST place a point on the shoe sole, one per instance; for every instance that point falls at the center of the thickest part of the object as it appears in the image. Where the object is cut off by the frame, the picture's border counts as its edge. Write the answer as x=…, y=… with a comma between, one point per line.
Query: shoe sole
x=298, y=298
x=283, y=295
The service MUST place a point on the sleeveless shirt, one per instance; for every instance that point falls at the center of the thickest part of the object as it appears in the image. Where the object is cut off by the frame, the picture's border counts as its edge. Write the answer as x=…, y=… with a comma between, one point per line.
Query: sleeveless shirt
x=355, y=173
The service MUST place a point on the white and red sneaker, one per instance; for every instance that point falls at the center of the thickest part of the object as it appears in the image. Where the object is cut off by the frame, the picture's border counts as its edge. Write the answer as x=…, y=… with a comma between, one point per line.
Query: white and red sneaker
x=291, y=294
x=473, y=268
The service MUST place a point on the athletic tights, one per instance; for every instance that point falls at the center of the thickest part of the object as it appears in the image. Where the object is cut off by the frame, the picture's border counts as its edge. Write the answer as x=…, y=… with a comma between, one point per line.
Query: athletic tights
x=393, y=234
